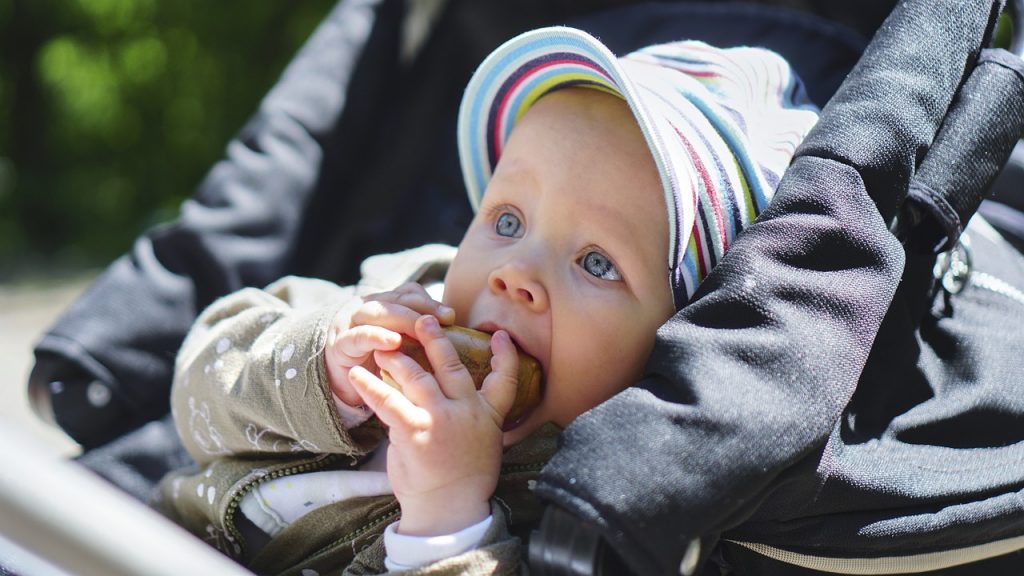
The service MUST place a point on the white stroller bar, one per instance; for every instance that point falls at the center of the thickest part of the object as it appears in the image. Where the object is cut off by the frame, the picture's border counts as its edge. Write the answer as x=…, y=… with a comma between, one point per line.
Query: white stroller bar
x=59, y=511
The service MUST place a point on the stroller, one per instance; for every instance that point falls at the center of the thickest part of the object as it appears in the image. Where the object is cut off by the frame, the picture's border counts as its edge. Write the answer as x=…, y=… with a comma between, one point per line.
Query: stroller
x=178, y=269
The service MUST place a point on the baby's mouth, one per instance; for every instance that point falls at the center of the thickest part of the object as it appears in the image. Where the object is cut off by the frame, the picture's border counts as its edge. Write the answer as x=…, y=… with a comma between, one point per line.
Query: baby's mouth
x=491, y=328
x=528, y=397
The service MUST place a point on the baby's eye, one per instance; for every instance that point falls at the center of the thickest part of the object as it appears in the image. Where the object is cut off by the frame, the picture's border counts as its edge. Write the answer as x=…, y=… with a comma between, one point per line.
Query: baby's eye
x=600, y=266
x=508, y=224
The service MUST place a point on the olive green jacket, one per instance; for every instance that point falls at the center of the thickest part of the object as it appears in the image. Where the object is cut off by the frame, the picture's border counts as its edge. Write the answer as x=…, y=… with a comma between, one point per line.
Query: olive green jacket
x=251, y=403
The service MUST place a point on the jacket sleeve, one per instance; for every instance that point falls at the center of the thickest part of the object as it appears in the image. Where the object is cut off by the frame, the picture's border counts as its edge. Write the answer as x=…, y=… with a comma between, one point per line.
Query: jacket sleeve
x=250, y=378
x=746, y=383
x=239, y=229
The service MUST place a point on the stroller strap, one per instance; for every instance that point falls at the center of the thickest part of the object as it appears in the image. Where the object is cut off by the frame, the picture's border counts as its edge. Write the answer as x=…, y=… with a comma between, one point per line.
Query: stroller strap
x=971, y=147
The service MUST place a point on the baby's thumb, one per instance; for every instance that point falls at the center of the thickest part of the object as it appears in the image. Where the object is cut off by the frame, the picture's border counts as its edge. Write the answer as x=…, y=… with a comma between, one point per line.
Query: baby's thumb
x=499, y=387
x=341, y=387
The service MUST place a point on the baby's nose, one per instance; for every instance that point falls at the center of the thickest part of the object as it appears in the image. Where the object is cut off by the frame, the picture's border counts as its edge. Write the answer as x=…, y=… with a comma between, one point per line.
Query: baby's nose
x=518, y=283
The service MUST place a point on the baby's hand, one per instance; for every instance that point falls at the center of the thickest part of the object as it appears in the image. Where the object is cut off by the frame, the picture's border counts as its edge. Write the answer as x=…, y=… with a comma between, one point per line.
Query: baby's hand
x=378, y=324
x=445, y=451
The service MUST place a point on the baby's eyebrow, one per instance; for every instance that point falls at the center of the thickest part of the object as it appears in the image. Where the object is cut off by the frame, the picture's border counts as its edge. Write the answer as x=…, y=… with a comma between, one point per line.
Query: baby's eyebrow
x=517, y=170
x=624, y=233
x=613, y=214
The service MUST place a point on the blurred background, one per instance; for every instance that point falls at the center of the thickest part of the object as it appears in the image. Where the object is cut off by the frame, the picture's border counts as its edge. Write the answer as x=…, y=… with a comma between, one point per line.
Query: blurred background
x=111, y=111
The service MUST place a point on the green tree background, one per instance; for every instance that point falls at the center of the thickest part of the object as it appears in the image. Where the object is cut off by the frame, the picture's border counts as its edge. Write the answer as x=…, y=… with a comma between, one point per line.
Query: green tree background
x=111, y=111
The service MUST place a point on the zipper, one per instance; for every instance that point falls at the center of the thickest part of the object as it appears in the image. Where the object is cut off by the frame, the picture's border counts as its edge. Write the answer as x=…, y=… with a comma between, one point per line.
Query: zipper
x=955, y=271
x=319, y=464
x=236, y=500
x=392, y=512
x=518, y=468
x=991, y=283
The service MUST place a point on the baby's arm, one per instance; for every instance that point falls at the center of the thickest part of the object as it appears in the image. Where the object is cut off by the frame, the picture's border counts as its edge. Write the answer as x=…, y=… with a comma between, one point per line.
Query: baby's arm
x=256, y=371
x=250, y=364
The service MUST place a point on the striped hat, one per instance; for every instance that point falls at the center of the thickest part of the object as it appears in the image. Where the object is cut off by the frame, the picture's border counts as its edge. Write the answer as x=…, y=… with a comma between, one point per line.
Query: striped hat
x=722, y=125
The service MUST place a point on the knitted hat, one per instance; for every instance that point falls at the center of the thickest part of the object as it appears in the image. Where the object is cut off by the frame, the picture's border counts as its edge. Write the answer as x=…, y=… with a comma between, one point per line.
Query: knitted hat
x=722, y=125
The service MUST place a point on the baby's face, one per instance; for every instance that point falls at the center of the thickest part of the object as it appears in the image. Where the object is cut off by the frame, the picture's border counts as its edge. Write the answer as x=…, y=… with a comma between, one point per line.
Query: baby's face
x=568, y=252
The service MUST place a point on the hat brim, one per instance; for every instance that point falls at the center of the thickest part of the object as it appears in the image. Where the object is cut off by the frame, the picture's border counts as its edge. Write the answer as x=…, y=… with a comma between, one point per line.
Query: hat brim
x=521, y=71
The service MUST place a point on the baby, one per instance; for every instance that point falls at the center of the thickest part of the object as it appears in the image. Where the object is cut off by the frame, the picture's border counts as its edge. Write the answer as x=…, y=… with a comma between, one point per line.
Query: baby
x=605, y=190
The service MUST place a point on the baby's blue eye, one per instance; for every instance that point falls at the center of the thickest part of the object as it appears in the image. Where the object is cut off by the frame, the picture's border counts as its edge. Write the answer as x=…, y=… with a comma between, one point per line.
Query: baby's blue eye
x=508, y=224
x=598, y=265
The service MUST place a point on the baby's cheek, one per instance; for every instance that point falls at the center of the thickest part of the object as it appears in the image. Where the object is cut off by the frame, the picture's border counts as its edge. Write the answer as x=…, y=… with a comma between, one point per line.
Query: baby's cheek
x=593, y=383
x=622, y=368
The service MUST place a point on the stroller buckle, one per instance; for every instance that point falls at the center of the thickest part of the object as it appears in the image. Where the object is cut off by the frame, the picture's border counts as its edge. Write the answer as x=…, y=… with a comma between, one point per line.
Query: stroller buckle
x=953, y=267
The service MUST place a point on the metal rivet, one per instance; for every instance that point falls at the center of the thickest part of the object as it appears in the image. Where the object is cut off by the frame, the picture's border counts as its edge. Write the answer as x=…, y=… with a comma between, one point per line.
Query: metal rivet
x=98, y=394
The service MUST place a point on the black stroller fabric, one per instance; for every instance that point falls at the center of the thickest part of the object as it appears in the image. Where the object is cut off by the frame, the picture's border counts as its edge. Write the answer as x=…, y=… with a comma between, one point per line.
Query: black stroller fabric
x=771, y=414
x=755, y=423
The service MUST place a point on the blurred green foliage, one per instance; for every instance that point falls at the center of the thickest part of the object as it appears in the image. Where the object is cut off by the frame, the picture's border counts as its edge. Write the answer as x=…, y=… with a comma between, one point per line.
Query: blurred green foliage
x=111, y=111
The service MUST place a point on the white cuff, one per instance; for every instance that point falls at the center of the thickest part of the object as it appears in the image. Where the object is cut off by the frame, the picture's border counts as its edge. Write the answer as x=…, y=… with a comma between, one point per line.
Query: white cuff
x=407, y=552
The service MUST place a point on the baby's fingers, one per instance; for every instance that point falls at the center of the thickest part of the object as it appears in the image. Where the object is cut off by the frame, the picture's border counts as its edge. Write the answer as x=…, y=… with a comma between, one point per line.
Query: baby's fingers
x=353, y=347
x=357, y=343
x=450, y=372
x=418, y=385
x=390, y=405
x=386, y=314
x=499, y=387
x=415, y=297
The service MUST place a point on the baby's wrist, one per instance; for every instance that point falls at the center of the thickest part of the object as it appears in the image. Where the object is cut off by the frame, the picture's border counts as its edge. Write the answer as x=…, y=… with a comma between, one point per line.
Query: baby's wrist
x=438, y=518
